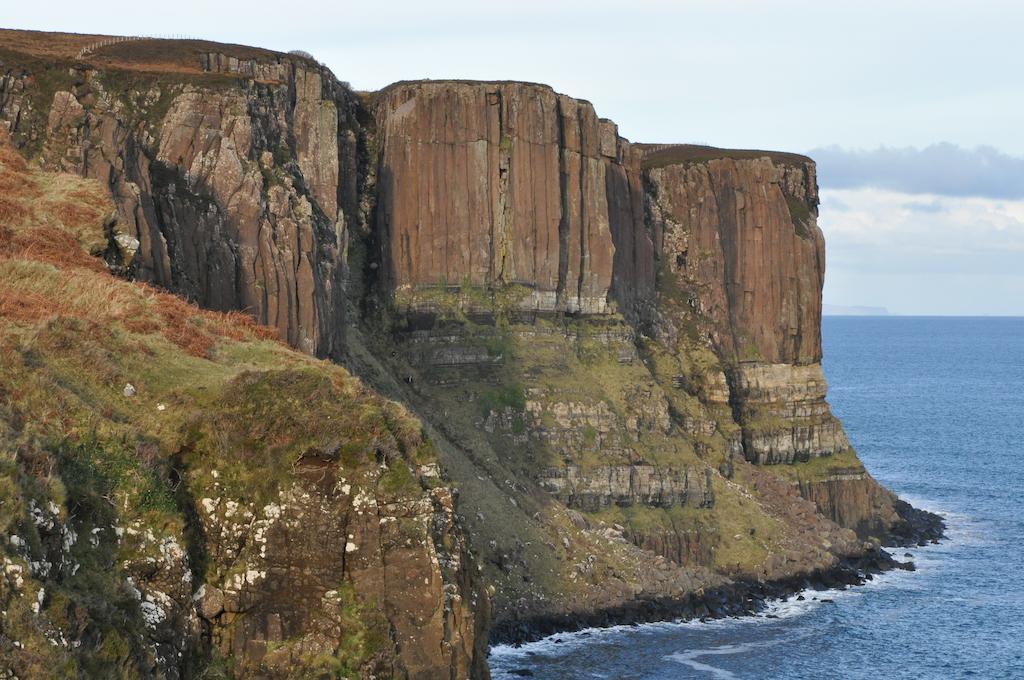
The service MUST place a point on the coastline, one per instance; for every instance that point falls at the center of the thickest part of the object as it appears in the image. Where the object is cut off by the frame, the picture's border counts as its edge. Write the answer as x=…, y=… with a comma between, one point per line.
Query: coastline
x=742, y=597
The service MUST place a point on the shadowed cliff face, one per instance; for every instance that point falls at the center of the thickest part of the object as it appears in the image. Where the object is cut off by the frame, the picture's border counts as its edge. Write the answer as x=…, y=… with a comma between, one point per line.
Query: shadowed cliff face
x=237, y=192
x=614, y=348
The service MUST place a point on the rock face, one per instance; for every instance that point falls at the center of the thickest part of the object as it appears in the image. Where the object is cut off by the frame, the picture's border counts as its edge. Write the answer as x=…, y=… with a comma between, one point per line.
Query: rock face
x=627, y=485
x=744, y=260
x=783, y=413
x=739, y=235
x=239, y=197
x=492, y=184
x=696, y=335
x=852, y=498
x=362, y=555
x=615, y=348
x=181, y=496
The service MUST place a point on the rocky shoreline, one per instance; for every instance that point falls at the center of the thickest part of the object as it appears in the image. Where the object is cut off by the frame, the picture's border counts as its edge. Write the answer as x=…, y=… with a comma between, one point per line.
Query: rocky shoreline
x=609, y=353
x=741, y=597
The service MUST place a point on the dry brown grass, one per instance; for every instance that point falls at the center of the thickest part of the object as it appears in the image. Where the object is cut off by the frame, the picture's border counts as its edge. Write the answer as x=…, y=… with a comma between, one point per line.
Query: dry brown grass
x=77, y=213
x=10, y=158
x=150, y=55
x=52, y=213
x=48, y=223
x=24, y=306
x=47, y=244
x=46, y=44
x=17, y=184
x=33, y=290
x=11, y=211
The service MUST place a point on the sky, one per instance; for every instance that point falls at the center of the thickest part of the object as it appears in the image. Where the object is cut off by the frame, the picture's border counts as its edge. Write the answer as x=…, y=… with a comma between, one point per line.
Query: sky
x=913, y=109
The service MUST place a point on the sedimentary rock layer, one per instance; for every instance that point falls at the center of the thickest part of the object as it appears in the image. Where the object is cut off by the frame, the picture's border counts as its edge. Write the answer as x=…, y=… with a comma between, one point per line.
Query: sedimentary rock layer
x=615, y=348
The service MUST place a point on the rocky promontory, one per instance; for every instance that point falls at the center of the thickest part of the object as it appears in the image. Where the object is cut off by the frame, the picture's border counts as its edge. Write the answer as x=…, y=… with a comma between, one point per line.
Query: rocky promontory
x=606, y=355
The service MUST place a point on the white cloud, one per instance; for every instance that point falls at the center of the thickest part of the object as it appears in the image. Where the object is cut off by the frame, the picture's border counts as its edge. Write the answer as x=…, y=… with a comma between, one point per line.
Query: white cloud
x=923, y=253
x=789, y=74
x=927, y=223
x=943, y=168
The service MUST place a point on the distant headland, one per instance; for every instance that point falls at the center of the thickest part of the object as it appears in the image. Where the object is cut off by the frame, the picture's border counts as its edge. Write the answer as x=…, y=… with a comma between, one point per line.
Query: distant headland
x=842, y=310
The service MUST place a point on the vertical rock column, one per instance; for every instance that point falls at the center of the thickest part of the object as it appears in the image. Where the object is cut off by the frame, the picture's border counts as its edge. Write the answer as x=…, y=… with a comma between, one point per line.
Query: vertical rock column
x=236, y=194
x=742, y=254
x=494, y=184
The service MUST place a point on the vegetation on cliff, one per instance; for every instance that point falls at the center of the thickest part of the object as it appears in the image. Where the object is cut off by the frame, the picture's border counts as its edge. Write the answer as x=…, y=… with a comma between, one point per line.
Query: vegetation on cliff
x=157, y=459
x=611, y=351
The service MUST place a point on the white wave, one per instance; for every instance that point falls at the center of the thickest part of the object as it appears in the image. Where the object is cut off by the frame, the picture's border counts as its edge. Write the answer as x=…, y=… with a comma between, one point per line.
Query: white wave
x=689, y=658
x=954, y=518
x=926, y=559
x=561, y=644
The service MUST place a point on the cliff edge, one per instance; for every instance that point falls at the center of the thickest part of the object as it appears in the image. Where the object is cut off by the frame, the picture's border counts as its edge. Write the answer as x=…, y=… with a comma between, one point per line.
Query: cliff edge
x=613, y=349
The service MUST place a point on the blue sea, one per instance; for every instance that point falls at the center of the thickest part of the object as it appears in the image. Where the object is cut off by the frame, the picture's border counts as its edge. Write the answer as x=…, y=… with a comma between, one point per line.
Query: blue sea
x=935, y=407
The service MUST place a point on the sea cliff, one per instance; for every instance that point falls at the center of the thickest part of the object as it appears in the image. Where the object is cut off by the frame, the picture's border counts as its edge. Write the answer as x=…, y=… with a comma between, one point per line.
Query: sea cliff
x=612, y=349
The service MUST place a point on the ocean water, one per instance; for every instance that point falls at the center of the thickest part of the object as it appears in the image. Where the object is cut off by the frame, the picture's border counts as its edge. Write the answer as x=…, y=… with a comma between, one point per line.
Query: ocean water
x=935, y=407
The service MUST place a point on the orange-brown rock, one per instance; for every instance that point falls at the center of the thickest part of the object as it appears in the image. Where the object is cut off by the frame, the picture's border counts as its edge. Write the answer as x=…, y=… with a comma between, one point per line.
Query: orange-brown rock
x=739, y=236
x=502, y=183
x=597, y=447
x=742, y=266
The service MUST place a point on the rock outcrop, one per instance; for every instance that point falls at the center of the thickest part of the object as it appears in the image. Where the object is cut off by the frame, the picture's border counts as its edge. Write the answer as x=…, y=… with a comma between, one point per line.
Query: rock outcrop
x=239, y=196
x=614, y=348
x=181, y=496
x=364, y=556
x=628, y=485
x=494, y=184
x=740, y=239
x=742, y=265
x=696, y=331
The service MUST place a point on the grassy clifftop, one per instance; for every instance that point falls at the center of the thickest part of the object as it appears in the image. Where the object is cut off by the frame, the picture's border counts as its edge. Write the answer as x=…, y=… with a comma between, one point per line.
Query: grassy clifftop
x=141, y=54
x=661, y=155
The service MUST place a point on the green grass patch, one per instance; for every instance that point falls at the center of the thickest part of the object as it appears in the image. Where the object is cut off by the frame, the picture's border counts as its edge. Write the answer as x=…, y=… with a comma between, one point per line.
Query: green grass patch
x=800, y=214
x=508, y=396
x=696, y=153
x=820, y=468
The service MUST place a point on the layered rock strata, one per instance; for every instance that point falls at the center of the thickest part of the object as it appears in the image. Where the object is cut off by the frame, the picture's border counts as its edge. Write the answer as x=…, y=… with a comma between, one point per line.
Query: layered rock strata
x=615, y=348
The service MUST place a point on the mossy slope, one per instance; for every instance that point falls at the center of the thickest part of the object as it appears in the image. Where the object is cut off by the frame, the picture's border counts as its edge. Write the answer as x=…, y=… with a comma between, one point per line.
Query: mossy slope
x=182, y=495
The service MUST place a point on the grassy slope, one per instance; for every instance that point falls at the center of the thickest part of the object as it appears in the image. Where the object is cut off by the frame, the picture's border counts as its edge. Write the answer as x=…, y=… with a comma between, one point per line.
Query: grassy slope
x=80, y=456
x=578, y=361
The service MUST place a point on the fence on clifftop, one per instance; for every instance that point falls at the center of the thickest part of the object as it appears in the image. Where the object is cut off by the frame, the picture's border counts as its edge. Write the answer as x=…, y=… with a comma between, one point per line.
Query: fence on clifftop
x=655, y=148
x=106, y=42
